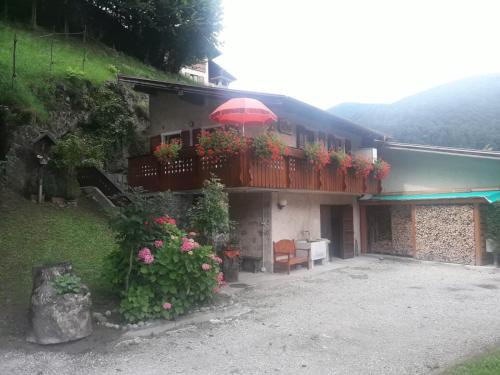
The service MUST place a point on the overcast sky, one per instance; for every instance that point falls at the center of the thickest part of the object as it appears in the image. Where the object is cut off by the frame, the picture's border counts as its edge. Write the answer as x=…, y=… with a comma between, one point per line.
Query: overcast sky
x=328, y=52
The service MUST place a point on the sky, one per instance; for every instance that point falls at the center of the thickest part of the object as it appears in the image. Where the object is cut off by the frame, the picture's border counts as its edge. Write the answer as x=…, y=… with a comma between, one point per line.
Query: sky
x=372, y=51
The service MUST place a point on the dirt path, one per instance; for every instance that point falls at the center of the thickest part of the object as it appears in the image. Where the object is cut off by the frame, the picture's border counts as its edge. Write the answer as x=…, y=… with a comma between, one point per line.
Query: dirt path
x=359, y=316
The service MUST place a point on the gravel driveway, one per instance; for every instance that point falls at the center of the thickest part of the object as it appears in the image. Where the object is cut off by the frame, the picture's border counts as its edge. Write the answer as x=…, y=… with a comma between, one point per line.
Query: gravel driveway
x=357, y=316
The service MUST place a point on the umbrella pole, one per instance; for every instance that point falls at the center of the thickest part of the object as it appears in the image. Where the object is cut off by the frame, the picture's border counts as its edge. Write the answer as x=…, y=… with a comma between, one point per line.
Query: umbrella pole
x=243, y=129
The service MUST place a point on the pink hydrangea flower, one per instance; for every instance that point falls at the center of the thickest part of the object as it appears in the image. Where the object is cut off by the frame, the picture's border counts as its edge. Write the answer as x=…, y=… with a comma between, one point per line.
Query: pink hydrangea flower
x=188, y=244
x=165, y=220
x=206, y=266
x=216, y=290
x=145, y=255
x=192, y=234
x=158, y=244
x=216, y=258
x=167, y=306
x=220, y=277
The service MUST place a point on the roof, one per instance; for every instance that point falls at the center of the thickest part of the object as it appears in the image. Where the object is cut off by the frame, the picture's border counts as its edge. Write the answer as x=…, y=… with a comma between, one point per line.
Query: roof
x=441, y=150
x=489, y=196
x=291, y=104
x=216, y=71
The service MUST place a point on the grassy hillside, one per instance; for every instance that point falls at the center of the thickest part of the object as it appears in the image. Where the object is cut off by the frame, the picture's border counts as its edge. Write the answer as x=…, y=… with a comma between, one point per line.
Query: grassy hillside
x=464, y=113
x=31, y=234
x=35, y=82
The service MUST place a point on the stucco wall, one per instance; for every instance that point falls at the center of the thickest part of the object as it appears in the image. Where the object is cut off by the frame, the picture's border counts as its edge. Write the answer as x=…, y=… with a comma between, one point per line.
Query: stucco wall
x=419, y=171
x=170, y=112
x=445, y=233
x=303, y=214
x=252, y=213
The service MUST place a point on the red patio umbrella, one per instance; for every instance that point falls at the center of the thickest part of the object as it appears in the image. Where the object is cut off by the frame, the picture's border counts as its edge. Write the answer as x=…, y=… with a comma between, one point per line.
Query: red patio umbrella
x=243, y=111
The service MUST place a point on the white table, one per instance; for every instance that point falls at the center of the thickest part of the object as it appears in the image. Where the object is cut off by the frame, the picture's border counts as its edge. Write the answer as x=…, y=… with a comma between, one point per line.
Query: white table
x=318, y=248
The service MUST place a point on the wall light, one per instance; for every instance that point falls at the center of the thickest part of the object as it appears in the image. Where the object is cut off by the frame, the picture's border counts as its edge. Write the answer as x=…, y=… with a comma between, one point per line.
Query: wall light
x=282, y=203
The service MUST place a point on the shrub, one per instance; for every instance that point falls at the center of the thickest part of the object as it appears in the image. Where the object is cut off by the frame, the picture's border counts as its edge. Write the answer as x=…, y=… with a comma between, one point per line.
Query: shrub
x=67, y=283
x=341, y=161
x=381, y=169
x=210, y=214
x=317, y=155
x=269, y=146
x=361, y=166
x=220, y=142
x=159, y=271
x=167, y=152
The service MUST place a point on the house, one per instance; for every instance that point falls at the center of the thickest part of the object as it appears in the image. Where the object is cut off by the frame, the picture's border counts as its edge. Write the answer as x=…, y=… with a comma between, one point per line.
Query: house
x=209, y=73
x=288, y=199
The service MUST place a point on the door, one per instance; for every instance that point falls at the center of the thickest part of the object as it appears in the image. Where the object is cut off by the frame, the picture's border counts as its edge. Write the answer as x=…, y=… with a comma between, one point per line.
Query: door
x=326, y=221
x=347, y=250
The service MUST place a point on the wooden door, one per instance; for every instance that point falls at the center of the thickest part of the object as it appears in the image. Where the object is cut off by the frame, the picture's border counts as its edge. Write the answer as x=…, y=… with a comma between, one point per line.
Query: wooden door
x=347, y=233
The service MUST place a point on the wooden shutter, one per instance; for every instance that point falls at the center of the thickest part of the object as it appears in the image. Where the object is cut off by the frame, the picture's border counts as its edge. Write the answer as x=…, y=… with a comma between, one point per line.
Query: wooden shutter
x=347, y=233
x=154, y=142
x=348, y=146
x=186, y=137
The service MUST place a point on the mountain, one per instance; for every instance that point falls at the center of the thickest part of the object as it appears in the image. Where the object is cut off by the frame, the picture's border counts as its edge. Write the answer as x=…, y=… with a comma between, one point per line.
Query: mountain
x=464, y=113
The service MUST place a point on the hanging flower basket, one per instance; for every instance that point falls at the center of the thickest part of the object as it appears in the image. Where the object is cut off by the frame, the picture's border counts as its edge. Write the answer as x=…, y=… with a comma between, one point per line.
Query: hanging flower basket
x=381, y=169
x=168, y=152
x=317, y=155
x=269, y=147
x=221, y=142
x=341, y=161
x=361, y=166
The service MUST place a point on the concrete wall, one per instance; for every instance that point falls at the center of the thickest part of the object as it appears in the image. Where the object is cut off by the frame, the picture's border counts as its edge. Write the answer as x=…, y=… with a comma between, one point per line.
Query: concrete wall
x=303, y=214
x=445, y=233
x=419, y=171
x=252, y=213
x=170, y=112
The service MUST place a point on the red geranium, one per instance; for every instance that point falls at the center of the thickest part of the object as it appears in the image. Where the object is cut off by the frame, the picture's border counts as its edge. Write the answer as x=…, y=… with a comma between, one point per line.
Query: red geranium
x=341, y=161
x=167, y=152
x=317, y=155
x=269, y=146
x=381, y=169
x=362, y=166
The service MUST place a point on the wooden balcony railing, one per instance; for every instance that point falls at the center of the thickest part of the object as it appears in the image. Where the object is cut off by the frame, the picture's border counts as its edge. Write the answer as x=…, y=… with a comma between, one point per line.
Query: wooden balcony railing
x=244, y=170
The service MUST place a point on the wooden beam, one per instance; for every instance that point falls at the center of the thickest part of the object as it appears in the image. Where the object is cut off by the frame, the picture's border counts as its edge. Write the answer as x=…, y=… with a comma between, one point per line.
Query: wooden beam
x=422, y=202
x=478, y=253
x=414, y=230
x=363, y=228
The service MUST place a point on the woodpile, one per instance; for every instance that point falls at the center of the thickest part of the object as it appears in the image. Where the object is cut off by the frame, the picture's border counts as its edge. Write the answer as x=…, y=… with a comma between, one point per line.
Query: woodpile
x=401, y=230
x=445, y=233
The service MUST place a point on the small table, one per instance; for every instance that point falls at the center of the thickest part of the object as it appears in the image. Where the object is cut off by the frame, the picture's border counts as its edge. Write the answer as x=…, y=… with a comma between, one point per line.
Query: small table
x=318, y=248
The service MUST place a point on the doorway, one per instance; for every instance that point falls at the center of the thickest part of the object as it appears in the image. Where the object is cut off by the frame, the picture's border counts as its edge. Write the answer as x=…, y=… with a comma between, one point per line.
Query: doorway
x=337, y=226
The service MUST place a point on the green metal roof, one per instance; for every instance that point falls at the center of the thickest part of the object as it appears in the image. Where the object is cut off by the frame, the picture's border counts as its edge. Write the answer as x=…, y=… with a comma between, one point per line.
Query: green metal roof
x=490, y=196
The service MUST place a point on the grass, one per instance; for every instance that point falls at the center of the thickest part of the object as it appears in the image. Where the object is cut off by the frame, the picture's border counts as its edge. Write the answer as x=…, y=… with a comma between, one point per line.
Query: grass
x=486, y=364
x=35, y=82
x=31, y=234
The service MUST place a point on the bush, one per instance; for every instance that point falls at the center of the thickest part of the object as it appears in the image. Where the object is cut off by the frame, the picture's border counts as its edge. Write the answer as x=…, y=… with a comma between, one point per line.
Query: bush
x=159, y=271
x=67, y=283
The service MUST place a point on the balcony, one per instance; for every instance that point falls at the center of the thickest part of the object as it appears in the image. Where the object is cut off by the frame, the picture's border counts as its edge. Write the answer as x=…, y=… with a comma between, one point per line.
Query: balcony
x=244, y=170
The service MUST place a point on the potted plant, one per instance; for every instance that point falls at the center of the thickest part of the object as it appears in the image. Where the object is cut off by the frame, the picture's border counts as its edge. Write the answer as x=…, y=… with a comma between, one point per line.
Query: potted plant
x=168, y=152
x=381, y=169
x=221, y=142
x=317, y=155
x=269, y=147
x=493, y=231
x=361, y=166
x=341, y=161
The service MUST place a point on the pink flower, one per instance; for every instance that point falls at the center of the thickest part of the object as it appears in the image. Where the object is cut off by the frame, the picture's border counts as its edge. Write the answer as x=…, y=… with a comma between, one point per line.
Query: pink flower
x=158, y=244
x=216, y=258
x=145, y=255
x=220, y=277
x=206, y=266
x=167, y=306
x=165, y=220
x=192, y=234
x=188, y=244
x=216, y=290
x=171, y=221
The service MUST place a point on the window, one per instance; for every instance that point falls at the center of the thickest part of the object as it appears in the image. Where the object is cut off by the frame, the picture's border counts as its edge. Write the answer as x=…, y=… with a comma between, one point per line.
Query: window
x=168, y=137
x=304, y=137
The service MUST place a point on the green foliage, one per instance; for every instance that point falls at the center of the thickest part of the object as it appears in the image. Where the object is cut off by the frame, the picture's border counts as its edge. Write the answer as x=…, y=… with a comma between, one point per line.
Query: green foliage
x=486, y=364
x=157, y=264
x=269, y=146
x=35, y=85
x=67, y=283
x=493, y=224
x=210, y=214
x=77, y=151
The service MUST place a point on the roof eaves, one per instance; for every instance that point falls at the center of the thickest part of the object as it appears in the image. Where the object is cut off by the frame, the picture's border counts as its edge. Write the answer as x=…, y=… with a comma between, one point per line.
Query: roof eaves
x=441, y=150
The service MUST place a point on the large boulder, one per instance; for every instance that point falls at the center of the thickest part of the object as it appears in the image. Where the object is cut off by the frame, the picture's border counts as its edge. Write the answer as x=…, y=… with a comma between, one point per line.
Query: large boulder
x=57, y=318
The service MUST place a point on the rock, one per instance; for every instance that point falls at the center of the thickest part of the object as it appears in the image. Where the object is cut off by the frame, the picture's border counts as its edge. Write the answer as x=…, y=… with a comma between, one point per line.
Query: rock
x=57, y=318
x=107, y=313
x=99, y=317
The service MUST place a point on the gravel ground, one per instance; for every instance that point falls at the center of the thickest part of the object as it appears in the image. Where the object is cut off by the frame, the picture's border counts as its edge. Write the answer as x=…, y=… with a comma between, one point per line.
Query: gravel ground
x=357, y=316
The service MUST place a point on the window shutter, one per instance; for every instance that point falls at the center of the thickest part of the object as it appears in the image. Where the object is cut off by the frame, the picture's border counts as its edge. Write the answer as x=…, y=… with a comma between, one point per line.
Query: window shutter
x=348, y=146
x=154, y=142
x=186, y=137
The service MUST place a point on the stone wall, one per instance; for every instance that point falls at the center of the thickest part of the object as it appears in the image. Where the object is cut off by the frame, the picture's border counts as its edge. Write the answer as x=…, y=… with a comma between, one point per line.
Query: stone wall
x=445, y=233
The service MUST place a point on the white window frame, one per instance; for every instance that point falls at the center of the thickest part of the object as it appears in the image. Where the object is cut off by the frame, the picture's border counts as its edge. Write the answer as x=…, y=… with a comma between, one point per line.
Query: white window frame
x=166, y=134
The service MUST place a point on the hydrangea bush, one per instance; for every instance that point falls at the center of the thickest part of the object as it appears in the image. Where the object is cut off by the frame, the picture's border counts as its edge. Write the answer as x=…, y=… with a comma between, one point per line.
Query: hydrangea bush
x=159, y=271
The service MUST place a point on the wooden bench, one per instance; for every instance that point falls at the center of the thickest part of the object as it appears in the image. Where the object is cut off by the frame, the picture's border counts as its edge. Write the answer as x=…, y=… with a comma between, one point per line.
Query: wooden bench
x=285, y=254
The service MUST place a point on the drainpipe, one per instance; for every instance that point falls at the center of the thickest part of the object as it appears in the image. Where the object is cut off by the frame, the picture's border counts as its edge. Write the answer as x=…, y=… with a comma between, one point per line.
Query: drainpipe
x=263, y=224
